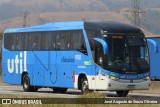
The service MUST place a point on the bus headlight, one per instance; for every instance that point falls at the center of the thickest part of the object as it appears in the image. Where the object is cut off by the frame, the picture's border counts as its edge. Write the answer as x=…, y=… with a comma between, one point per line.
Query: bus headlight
x=113, y=78
x=146, y=78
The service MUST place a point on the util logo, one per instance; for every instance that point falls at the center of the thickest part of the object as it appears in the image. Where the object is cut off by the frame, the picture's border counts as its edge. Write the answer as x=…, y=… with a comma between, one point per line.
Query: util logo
x=18, y=63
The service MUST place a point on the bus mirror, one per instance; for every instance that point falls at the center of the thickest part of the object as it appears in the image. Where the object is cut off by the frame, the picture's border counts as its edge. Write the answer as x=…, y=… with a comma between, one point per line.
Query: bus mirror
x=155, y=46
x=104, y=44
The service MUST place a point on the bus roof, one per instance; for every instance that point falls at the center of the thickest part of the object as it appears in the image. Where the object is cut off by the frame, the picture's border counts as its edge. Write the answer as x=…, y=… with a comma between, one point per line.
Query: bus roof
x=155, y=36
x=109, y=26
x=49, y=27
x=115, y=27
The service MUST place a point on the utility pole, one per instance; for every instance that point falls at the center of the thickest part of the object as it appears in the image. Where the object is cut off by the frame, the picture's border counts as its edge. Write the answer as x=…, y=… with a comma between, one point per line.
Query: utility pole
x=135, y=13
x=26, y=13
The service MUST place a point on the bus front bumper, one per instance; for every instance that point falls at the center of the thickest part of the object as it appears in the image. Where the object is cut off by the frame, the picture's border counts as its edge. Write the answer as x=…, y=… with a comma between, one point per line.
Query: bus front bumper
x=113, y=85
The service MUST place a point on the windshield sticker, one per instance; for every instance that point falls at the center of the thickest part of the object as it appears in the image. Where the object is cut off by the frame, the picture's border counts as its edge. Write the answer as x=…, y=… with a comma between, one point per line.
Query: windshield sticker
x=87, y=62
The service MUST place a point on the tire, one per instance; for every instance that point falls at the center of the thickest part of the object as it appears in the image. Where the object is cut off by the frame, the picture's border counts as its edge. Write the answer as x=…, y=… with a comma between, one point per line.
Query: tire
x=84, y=85
x=26, y=84
x=59, y=90
x=122, y=93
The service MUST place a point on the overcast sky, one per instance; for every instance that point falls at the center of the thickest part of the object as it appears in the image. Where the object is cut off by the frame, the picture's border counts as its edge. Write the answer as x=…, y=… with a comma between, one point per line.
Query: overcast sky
x=4, y=1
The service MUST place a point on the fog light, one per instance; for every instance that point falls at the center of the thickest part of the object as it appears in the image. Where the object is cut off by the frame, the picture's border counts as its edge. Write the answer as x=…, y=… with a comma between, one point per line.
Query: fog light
x=113, y=78
x=146, y=78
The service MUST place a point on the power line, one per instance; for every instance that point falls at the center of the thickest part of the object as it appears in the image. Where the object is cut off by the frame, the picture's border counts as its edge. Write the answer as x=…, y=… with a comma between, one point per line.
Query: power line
x=135, y=12
x=26, y=13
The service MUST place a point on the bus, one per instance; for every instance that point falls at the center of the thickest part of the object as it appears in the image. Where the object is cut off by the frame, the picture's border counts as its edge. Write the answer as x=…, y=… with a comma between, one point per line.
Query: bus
x=154, y=50
x=88, y=56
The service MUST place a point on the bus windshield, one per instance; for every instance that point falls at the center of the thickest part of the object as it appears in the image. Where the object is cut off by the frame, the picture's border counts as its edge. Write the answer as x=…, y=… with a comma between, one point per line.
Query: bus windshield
x=127, y=54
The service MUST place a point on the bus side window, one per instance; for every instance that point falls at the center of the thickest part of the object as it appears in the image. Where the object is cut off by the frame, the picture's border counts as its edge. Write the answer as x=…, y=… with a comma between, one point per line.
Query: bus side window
x=35, y=41
x=52, y=40
x=18, y=42
x=71, y=40
x=79, y=44
x=45, y=43
x=60, y=40
x=99, y=56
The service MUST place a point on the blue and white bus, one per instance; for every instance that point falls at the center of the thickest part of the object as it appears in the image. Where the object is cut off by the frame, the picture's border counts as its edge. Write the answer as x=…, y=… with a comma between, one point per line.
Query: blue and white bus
x=87, y=56
x=154, y=50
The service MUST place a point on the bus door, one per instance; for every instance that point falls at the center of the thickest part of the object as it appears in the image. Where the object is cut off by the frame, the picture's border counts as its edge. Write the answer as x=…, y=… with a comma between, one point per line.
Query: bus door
x=52, y=76
x=53, y=70
x=64, y=60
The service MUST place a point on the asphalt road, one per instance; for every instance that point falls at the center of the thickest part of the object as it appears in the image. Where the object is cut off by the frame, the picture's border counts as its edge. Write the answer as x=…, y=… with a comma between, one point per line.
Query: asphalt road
x=71, y=93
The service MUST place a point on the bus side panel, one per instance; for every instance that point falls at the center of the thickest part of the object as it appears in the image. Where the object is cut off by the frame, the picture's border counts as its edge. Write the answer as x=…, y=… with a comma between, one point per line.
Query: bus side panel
x=155, y=59
x=87, y=70
x=69, y=65
x=65, y=60
x=12, y=66
x=40, y=67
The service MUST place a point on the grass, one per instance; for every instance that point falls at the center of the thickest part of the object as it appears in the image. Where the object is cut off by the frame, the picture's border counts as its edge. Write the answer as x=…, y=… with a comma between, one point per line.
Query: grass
x=92, y=95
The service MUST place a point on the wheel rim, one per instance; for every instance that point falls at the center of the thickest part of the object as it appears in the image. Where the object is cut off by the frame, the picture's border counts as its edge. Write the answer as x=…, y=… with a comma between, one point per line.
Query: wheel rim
x=85, y=86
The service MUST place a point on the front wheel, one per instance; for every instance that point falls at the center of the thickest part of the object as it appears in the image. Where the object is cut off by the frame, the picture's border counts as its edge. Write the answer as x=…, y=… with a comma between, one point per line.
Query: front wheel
x=84, y=85
x=122, y=93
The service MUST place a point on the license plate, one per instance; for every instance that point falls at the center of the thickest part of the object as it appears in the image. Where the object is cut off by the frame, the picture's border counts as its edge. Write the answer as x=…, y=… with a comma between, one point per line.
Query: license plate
x=131, y=86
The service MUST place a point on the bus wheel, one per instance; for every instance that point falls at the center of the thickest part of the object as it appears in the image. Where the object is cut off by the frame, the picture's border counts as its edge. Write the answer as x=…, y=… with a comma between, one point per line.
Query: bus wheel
x=60, y=90
x=84, y=85
x=122, y=93
x=26, y=83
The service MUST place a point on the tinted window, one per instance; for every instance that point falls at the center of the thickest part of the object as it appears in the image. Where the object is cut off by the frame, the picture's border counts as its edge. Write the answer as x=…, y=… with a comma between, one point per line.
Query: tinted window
x=16, y=41
x=71, y=40
x=51, y=40
x=91, y=34
x=36, y=41
x=9, y=41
